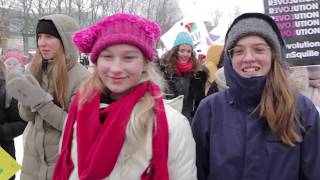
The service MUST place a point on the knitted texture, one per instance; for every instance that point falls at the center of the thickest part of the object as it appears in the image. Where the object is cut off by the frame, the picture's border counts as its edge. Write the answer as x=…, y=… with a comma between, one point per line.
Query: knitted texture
x=253, y=26
x=47, y=27
x=119, y=28
x=14, y=54
x=183, y=38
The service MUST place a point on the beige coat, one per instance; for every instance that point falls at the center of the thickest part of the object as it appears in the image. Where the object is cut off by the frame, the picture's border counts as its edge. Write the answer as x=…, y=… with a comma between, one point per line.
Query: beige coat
x=307, y=81
x=45, y=125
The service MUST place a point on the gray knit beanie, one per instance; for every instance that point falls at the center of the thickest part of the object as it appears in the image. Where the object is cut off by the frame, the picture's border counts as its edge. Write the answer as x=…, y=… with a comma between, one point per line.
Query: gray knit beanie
x=253, y=26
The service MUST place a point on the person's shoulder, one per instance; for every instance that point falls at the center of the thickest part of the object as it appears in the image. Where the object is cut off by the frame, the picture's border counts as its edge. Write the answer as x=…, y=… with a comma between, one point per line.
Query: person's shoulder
x=306, y=109
x=79, y=68
x=304, y=102
x=175, y=118
x=78, y=73
x=214, y=98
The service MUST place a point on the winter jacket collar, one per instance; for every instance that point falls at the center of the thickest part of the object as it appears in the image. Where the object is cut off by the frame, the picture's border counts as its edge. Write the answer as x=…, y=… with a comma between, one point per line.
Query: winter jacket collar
x=93, y=162
x=244, y=93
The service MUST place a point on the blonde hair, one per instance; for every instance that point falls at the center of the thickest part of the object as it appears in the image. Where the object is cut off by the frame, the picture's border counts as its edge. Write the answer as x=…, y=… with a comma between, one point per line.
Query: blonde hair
x=142, y=121
x=94, y=83
x=278, y=104
x=59, y=75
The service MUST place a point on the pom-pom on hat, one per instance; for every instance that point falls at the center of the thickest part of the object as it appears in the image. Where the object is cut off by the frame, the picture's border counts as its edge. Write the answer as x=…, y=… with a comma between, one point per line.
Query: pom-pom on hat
x=119, y=28
x=183, y=38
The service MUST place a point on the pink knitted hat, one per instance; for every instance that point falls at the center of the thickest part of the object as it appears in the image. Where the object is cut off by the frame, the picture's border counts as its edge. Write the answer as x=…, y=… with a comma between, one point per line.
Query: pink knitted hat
x=119, y=29
x=15, y=54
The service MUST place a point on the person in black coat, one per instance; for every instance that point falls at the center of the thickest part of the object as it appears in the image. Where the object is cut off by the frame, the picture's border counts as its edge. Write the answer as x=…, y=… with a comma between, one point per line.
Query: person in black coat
x=11, y=125
x=184, y=74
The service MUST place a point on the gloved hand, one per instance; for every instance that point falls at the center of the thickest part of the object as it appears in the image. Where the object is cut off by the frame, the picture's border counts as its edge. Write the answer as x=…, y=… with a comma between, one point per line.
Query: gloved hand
x=26, y=89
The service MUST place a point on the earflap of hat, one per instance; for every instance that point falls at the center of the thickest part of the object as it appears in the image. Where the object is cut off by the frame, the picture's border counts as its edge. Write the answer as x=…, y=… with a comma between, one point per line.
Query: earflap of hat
x=86, y=38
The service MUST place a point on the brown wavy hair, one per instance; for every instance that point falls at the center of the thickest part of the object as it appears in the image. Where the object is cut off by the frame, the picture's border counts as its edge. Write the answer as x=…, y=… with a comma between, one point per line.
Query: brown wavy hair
x=59, y=75
x=170, y=58
x=278, y=104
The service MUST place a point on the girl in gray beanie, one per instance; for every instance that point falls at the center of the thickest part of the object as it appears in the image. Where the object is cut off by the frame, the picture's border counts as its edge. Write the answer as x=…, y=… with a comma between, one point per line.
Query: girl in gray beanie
x=259, y=128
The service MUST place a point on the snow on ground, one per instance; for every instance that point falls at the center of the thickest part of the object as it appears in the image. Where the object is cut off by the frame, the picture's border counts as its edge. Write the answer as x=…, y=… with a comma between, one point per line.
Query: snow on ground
x=19, y=153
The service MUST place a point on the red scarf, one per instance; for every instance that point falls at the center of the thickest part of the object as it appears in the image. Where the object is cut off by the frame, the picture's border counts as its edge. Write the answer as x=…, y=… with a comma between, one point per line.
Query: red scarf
x=99, y=145
x=183, y=67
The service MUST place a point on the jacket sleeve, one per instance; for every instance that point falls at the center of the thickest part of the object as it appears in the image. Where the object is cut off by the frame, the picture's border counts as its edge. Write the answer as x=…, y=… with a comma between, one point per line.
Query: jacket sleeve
x=14, y=125
x=181, y=149
x=53, y=114
x=310, y=164
x=198, y=82
x=49, y=112
x=201, y=134
x=25, y=112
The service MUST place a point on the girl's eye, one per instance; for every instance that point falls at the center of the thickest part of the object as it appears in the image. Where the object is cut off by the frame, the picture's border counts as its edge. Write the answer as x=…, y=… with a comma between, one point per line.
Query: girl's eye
x=128, y=59
x=106, y=57
x=238, y=51
x=260, y=49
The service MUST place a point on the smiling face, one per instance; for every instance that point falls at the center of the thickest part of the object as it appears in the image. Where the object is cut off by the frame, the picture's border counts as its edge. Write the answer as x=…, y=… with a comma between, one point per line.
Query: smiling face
x=48, y=45
x=184, y=52
x=13, y=64
x=251, y=56
x=120, y=68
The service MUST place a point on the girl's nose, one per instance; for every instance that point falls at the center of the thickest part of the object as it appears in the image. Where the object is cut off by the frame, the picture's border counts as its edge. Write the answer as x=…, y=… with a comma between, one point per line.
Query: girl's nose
x=116, y=66
x=249, y=55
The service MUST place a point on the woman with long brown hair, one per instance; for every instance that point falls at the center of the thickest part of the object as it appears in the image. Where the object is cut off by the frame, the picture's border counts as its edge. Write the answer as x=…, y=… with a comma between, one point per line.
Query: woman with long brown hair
x=45, y=92
x=184, y=74
x=259, y=128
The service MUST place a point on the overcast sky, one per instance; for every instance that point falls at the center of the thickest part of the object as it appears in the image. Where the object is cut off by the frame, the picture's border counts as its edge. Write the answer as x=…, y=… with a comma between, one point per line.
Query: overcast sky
x=202, y=7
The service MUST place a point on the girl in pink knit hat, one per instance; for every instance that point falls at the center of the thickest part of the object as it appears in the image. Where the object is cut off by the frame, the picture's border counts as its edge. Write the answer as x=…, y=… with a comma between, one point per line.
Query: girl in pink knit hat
x=14, y=60
x=118, y=126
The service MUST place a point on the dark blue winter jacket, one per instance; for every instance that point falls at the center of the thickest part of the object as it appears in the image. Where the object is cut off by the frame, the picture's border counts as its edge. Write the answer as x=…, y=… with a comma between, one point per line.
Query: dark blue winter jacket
x=234, y=143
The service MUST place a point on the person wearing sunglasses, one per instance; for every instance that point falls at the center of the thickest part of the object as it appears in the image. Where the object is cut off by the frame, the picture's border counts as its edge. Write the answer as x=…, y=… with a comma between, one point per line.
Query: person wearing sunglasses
x=260, y=127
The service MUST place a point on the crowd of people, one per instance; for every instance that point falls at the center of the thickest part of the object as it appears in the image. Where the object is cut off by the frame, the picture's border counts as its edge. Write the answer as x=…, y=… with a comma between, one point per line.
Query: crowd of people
x=241, y=117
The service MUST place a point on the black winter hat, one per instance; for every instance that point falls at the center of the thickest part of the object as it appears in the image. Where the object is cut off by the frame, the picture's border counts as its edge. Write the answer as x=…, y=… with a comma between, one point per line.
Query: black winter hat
x=47, y=27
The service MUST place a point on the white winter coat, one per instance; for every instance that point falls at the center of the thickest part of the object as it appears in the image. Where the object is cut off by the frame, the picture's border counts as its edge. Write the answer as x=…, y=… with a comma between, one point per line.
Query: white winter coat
x=181, y=162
